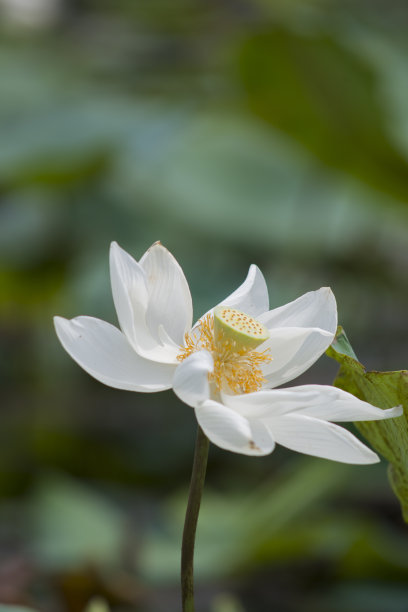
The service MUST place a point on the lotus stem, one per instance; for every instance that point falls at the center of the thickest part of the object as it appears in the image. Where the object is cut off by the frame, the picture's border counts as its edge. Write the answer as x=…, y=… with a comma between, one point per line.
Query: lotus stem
x=190, y=523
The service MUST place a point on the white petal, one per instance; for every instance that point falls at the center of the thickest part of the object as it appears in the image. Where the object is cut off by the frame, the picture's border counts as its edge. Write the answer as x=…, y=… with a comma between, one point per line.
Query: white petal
x=128, y=289
x=228, y=430
x=104, y=352
x=190, y=382
x=313, y=309
x=264, y=404
x=252, y=296
x=293, y=351
x=131, y=297
x=318, y=401
x=333, y=404
x=170, y=302
x=311, y=436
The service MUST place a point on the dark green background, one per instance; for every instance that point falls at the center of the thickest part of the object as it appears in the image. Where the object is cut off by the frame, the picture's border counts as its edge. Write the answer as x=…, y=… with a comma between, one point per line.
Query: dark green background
x=236, y=132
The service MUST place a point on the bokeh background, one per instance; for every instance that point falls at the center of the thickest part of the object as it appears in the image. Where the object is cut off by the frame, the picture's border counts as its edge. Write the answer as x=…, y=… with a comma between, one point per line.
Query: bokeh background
x=236, y=132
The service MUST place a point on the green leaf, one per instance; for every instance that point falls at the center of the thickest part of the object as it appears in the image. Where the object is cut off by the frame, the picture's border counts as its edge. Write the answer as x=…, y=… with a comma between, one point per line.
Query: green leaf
x=385, y=390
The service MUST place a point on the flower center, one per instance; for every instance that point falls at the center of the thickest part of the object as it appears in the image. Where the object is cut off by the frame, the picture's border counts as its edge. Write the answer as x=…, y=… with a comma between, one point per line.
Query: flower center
x=231, y=337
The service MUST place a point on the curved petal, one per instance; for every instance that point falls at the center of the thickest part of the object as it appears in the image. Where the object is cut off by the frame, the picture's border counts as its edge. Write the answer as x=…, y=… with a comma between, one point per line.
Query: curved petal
x=311, y=436
x=229, y=430
x=104, y=352
x=190, y=381
x=252, y=296
x=313, y=309
x=170, y=302
x=132, y=303
x=264, y=404
x=293, y=350
x=333, y=404
x=319, y=401
x=128, y=289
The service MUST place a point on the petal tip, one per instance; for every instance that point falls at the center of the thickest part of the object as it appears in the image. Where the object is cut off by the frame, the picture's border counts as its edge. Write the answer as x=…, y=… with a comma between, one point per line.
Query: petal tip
x=114, y=248
x=395, y=412
x=331, y=304
x=115, y=252
x=368, y=457
x=254, y=268
x=327, y=291
x=59, y=321
x=374, y=459
x=158, y=246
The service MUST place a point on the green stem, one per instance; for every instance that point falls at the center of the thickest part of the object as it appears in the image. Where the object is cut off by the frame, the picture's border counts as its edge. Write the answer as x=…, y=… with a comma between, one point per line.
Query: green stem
x=190, y=523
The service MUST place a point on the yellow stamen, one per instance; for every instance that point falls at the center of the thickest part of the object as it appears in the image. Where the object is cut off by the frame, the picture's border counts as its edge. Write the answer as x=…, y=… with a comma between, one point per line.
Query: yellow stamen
x=237, y=367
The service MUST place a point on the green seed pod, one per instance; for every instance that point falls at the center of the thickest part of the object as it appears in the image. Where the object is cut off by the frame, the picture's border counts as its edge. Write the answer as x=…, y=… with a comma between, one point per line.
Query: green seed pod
x=239, y=327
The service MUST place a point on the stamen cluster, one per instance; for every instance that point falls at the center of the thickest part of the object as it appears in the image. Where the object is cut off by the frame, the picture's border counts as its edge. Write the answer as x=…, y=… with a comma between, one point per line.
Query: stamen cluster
x=237, y=368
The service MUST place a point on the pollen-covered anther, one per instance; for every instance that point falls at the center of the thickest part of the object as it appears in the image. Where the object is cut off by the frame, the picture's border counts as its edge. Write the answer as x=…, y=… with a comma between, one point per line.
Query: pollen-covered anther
x=237, y=366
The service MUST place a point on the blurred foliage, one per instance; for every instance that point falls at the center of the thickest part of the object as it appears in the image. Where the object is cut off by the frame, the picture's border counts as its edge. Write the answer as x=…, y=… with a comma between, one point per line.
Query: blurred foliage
x=385, y=390
x=248, y=131
x=322, y=94
x=71, y=527
x=97, y=604
x=14, y=609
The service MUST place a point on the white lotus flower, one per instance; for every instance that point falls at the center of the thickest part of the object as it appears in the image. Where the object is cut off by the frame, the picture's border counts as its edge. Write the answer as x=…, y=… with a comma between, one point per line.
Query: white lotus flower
x=227, y=371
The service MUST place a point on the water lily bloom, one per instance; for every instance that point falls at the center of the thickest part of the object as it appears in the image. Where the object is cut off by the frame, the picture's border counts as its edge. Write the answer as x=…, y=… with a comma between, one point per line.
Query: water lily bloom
x=228, y=365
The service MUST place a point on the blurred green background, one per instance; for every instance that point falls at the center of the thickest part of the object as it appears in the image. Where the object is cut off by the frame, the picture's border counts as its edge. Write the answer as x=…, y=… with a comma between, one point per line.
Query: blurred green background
x=236, y=132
